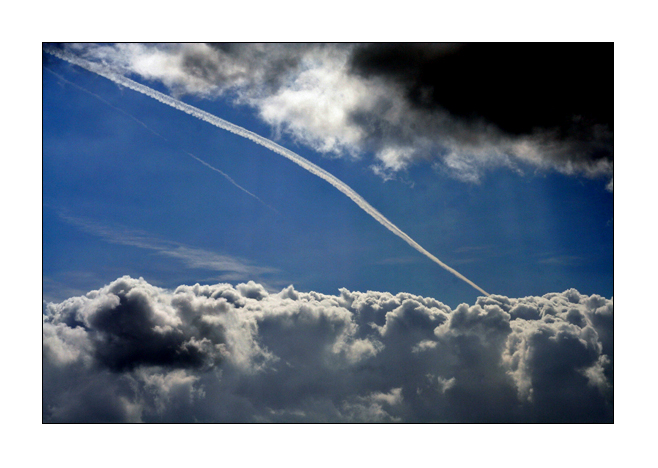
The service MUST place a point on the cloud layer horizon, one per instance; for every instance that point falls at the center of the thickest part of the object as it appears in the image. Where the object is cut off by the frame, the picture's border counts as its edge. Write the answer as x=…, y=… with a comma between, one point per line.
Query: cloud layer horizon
x=131, y=352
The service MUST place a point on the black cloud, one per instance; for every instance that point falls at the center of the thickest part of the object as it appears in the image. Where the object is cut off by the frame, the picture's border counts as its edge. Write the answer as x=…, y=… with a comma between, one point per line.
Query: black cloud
x=518, y=87
x=553, y=92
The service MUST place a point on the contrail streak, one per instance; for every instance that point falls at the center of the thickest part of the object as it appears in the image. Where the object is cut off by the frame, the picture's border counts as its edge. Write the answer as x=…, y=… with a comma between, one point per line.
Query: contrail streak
x=230, y=180
x=224, y=125
x=226, y=176
x=104, y=101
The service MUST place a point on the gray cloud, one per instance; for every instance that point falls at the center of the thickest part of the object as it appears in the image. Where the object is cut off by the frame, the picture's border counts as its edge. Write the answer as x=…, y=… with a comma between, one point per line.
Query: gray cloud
x=133, y=352
x=465, y=109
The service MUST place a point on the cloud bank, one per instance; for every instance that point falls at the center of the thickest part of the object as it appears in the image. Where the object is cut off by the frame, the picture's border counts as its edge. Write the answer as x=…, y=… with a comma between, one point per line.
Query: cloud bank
x=133, y=352
x=462, y=108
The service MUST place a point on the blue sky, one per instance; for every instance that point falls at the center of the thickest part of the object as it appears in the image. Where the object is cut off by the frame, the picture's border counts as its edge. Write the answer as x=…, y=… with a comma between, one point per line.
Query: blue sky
x=120, y=200
x=193, y=274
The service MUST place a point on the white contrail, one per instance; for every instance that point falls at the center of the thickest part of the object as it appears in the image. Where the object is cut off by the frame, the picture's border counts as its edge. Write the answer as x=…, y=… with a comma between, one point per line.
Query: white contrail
x=226, y=176
x=230, y=180
x=224, y=125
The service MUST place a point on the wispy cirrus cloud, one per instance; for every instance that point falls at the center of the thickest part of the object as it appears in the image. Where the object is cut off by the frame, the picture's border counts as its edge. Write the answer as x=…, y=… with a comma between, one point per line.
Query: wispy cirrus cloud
x=192, y=257
x=562, y=260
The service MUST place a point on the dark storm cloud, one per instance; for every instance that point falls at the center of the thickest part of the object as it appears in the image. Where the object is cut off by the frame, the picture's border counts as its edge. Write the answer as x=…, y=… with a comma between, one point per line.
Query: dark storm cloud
x=517, y=87
x=556, y=94
x=134, y=352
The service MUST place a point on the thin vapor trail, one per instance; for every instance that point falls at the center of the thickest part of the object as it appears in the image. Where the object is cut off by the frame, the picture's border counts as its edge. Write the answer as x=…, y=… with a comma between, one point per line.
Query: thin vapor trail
x=224, y=125
x=226, y=176
x=230, y=180
x=104, y=101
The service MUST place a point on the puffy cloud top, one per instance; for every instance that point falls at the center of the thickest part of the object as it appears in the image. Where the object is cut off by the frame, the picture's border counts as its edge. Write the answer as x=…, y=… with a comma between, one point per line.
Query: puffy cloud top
x=133, y=352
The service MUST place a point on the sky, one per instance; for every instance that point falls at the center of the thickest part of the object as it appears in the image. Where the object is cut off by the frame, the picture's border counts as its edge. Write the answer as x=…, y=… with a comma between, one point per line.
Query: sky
x=283, y=299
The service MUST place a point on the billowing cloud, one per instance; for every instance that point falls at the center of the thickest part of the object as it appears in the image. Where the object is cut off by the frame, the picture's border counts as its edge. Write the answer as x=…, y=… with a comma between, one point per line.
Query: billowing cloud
x=131, y=351
x=462, y=108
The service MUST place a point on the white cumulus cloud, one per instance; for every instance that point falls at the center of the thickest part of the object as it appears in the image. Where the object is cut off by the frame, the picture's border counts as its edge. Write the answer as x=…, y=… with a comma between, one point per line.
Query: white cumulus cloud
x=131, y=351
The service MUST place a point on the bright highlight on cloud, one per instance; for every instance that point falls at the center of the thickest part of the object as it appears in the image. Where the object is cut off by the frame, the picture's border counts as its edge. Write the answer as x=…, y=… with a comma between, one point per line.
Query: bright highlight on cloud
x=463, y=108
x=300, y=161
x=133, y=352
